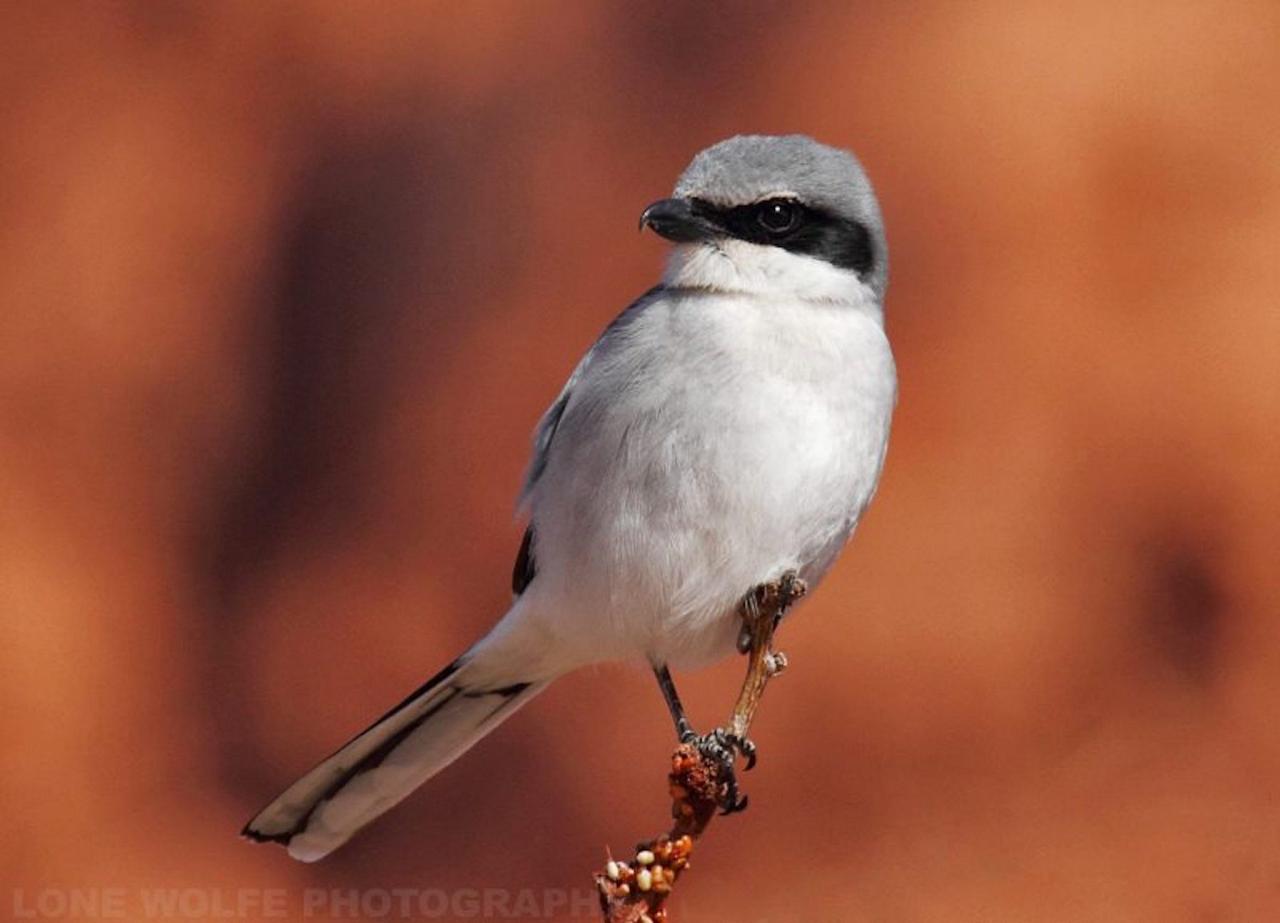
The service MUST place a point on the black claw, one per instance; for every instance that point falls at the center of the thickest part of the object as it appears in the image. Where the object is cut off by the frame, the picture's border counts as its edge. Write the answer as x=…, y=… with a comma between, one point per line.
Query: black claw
x=744, y=746
x=722, y=747
x=729, y=804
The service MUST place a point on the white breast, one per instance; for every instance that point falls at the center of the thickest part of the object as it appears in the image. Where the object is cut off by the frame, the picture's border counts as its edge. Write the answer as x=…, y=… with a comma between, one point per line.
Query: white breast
x=712, y=441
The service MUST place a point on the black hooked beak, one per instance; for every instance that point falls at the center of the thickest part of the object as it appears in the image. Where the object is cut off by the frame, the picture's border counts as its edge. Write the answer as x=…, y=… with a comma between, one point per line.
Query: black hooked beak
x=679, y=220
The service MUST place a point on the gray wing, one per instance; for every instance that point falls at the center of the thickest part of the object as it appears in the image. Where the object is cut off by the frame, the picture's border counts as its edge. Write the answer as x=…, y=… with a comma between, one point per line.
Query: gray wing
x=526, y=567
x=545, y=434
x=546, y=431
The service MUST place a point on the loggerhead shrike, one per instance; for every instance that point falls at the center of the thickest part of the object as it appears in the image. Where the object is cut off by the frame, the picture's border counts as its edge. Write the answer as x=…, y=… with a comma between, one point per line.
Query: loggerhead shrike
x=727, y=428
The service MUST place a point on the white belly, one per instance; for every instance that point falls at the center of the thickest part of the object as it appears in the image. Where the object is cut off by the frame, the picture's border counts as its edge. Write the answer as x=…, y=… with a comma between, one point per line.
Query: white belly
x=714, y=444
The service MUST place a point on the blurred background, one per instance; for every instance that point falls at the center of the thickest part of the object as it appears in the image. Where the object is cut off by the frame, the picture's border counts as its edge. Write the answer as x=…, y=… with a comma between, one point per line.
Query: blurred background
x=286, y=286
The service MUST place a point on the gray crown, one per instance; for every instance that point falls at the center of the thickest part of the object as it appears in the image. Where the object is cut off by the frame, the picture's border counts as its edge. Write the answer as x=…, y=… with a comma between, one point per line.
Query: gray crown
x=748, y=168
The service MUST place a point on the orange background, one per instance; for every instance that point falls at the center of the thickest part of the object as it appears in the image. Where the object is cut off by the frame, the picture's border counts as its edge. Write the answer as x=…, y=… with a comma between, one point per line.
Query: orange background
x=285, y=287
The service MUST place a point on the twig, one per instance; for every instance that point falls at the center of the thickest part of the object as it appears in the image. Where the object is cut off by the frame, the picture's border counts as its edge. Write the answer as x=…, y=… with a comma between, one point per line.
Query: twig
x=636, y=891
x=761, y=611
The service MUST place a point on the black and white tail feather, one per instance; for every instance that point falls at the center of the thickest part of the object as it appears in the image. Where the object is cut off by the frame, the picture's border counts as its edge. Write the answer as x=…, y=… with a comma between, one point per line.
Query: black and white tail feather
x=380, y=766
x=437, y=723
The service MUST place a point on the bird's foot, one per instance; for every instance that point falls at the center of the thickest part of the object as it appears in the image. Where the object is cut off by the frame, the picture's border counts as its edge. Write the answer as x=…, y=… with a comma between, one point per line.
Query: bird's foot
x=721, y=748
x=767, y=603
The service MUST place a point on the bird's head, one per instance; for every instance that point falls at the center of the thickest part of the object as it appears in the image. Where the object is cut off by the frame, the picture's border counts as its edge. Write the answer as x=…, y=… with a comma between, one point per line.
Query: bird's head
x=775, y=215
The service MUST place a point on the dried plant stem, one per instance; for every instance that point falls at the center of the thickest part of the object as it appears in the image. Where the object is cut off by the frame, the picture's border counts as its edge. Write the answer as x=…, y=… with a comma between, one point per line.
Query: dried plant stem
x=636, y=890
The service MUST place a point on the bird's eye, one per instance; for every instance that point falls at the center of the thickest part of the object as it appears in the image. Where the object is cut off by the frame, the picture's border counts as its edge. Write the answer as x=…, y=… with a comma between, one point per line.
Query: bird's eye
x=778, y=216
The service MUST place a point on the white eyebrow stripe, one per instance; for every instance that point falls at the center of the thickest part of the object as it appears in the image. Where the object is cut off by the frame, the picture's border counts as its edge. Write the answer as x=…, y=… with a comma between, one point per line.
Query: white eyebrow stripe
x=784, y=194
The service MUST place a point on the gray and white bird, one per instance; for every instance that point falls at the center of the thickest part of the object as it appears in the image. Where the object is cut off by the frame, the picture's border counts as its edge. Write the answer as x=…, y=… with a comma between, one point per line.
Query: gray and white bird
x=727, y=428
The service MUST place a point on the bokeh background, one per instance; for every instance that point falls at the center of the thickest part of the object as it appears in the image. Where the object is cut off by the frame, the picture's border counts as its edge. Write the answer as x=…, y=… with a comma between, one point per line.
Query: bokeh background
x=284, y=288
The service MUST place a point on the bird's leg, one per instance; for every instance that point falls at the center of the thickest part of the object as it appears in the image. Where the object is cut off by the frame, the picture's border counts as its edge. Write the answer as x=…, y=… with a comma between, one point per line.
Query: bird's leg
x=761, y=610
x=714, y=747
x=684, y=730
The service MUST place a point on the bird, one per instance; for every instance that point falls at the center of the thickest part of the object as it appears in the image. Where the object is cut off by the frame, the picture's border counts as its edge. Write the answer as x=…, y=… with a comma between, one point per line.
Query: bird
x=728, y=428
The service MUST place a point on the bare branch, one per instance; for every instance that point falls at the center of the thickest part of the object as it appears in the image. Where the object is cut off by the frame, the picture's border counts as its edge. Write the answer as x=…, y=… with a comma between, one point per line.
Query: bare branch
x=636, y=890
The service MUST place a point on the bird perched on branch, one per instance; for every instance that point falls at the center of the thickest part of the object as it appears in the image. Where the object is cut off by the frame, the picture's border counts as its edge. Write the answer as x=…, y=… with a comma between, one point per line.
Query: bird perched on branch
x=726, y=429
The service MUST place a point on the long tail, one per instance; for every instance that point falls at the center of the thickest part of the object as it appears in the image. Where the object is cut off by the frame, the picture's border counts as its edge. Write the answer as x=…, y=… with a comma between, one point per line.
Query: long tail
x=380, y=766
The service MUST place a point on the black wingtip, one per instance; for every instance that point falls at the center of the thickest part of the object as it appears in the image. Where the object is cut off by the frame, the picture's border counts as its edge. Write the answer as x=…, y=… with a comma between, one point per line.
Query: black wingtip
x=258, y=836
x=525, y=568
x=506, y=692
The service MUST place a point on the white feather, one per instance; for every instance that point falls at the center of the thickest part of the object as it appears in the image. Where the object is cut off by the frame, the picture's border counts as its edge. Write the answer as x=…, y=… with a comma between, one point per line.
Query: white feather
x=725, y=430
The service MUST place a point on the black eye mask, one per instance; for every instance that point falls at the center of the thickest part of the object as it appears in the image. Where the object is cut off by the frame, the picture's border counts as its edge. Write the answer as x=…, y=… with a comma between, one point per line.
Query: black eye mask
x=794, y=226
